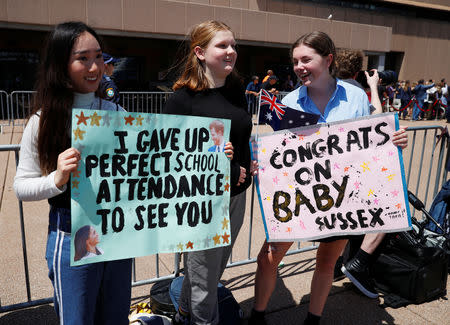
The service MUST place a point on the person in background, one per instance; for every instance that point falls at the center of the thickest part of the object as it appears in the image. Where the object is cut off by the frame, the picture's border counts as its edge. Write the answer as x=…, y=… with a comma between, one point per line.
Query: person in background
x=69, y=75
x=288, y=84
x=209, y=87
x=269, y=73
x=420, y=91
x=252, y=93
x=108, y=87
x=348, y=64
x=270, y=85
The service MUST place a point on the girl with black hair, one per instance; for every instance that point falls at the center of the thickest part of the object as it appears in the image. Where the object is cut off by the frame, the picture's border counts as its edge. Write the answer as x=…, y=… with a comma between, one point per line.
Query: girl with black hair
x=70, y=72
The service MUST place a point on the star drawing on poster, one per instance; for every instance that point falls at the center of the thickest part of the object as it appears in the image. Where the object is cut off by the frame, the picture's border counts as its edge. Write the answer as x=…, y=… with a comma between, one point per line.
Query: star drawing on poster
x=139, y=120
x=180, y=246
x=225, y=238
x=189, y=245
x=216, y=239
x=129, y=120
x=79, y=134
x=76, y=173
x=365, y=167
x=75, y=183
x=225, y=223
x=227, y=187
x=106, y=120
x=95, y=119
x=82, y=118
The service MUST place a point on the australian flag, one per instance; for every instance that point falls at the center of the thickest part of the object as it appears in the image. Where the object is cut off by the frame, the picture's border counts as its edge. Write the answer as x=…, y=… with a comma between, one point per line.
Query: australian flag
x=280, y=116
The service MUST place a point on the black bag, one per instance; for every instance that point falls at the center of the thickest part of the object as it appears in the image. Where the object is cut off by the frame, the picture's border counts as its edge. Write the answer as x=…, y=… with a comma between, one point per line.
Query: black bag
x=408, y=271
x=164, y=301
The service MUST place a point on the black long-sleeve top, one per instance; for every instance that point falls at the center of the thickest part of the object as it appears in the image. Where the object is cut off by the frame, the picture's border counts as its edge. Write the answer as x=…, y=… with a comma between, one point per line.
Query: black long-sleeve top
x=223, y=103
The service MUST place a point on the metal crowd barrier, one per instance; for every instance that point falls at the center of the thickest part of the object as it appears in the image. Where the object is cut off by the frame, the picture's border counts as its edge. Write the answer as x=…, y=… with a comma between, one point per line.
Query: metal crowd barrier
x=5, y=118
x=144, y=102
x=20, y=106
x=431, y=173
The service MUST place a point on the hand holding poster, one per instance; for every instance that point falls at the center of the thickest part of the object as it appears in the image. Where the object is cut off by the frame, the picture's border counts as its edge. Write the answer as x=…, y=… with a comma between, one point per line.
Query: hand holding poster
x=332, y=179
x=148, y=184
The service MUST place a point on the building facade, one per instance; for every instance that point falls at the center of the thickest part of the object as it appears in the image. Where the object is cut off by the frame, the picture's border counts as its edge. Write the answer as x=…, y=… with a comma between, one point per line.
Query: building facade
x=410, y=37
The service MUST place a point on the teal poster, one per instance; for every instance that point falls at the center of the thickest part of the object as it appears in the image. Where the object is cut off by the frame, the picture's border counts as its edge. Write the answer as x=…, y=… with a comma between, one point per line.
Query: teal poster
x=147, y=184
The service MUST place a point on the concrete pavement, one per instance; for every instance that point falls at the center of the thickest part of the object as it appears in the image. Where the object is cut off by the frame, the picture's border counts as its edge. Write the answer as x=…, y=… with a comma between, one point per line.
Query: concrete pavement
x=288, y=304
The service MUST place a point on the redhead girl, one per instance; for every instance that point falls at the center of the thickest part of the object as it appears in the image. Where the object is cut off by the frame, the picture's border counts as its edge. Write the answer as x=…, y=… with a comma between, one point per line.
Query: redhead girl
x=209, y=87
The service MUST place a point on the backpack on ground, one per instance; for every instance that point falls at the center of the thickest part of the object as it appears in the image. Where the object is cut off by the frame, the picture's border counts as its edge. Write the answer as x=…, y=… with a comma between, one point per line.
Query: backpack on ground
x=409, y=270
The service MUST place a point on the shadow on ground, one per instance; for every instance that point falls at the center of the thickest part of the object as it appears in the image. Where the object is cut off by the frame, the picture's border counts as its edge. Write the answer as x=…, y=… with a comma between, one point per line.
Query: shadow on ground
x=42, y=315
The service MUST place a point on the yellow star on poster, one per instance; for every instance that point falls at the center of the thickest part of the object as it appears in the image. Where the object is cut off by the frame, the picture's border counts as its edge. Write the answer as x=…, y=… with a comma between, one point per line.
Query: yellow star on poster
x=82, y=118
x=268, y=198
x=139, y=120
x=391, y=177
x=290, y=186
x=180, y=246
x=76, y=173
x=370, y=192
x=216, y=239
x=78, y=133
x=75, y=183
x=264, y=150
x=95, y=119
x=225, y=223
x=190, y=245
x=225, y=238
x=364, y=166
x=318, y=132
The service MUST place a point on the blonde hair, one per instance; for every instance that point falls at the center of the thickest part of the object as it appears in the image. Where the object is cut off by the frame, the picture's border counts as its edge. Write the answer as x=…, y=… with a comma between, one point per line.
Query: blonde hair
x=193, y=76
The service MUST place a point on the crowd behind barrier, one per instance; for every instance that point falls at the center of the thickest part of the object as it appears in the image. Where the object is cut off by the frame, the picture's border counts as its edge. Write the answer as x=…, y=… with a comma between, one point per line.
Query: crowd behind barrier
x=432, y=169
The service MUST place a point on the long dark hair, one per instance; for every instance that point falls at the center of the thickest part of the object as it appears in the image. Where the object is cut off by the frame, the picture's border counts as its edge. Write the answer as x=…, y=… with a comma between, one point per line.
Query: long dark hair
x=193, y=75
x=54, y=94
x=321, y=43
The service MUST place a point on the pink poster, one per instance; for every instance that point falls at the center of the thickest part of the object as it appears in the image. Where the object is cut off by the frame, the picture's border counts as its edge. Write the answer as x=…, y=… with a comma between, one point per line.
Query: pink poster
x=332, y=179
